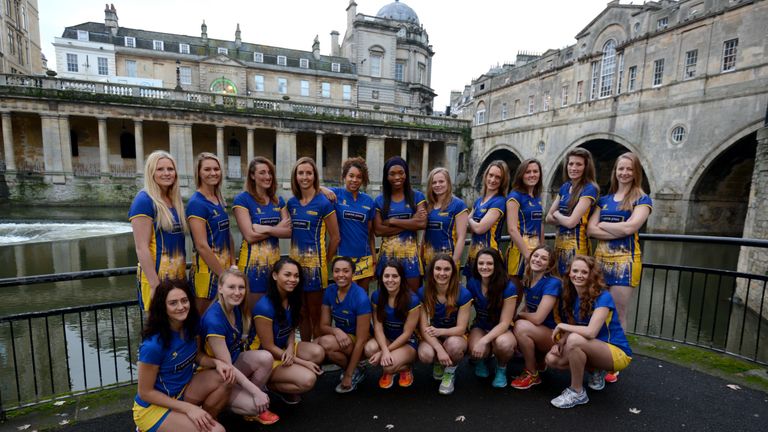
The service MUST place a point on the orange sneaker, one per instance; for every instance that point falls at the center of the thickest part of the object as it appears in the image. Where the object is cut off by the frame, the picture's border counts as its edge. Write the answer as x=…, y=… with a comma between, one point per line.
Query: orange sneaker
x=386, y=381
x=266, y=418
x=526, y=380
x=611, y=377
x=406, y=378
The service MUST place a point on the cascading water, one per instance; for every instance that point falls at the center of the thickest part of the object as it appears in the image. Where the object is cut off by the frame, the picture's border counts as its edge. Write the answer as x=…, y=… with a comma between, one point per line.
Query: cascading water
x=13, y=233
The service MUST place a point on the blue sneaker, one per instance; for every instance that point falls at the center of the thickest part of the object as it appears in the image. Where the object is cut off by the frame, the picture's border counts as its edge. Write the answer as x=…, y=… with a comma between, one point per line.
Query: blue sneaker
x=481, y=369
x=500, y=380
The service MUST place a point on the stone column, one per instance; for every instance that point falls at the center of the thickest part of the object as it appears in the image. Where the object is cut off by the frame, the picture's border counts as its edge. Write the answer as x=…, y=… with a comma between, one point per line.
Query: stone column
x=344, y=148
x=374, y=157
x=424, y=162
x=138, y=132
x=319, y=154
x=103, y=147
x=285, y=157
x=404, y=149
x=452, y=160
x=250, y=146
x=189, y=156
x=52, y=157
x=180, y=143
x=8, y=153
x=66, y=145
x=220, y=150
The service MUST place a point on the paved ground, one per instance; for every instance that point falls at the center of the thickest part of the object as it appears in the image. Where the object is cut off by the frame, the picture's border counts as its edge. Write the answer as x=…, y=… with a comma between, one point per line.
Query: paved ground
x=668, y=397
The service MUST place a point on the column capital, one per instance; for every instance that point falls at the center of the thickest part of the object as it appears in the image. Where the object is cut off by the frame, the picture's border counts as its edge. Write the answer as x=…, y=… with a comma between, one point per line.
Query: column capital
x=138, y=121
x=219, y=128
x=101, y=118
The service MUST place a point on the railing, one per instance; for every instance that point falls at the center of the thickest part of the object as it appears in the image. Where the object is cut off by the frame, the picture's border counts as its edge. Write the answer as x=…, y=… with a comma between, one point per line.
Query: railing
x=68, y=351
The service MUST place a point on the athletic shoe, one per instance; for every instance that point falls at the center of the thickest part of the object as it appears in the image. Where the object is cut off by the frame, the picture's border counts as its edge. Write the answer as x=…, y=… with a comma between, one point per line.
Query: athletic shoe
x=358, y=376
x=386, y=381
x=596, y=380
x=406, y=378
x=481, y=369
x=526, y=380
x=569, y=398
x=287, y=398
x=437, y=371
x=266, y=418
x=611, y=377
x=447, y=383
x=500, y=380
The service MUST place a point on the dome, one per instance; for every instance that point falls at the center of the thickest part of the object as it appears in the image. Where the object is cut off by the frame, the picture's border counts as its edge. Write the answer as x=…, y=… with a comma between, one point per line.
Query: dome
x=398, y=11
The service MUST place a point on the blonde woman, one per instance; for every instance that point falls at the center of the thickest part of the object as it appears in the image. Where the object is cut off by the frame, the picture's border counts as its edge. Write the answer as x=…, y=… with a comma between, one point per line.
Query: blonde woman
x=447, y=218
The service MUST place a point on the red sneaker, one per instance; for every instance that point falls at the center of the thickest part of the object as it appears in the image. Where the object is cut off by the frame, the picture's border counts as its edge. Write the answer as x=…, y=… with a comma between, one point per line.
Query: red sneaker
x=611, y=377
x=386, y=381
x=266, y=418
x=526, y=380
x=406, y=378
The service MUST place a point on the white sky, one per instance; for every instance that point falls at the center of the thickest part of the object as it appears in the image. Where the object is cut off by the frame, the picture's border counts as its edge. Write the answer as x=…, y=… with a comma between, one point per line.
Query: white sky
x=467, y=37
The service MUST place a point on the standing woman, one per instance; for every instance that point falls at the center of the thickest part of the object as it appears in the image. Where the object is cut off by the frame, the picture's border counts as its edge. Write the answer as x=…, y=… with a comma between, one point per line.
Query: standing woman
x=533, y=329
x=589, y=335
x=263, y=219
x=571, y=209
x=495, y=300
x=158, y=223
x=394, y=325
x=487, y=215
x=444, y=318
x=347, y=304
x=312, y=216
x=209, y=226
x=524, y=214
x=171, y=395
x=295, y=365
x=355, y=212
x=446, y=219
x=400, y=213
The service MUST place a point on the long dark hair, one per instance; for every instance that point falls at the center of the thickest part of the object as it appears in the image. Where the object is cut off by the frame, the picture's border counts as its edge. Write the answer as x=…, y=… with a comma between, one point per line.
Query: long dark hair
x=588, y=177
x=403, y=299
x=386, y=187
x=551, y=265
x=496, y=285
x=430, y=286
x=595, y=286
x=518, y=182
x=294, y=297
x=158, y=322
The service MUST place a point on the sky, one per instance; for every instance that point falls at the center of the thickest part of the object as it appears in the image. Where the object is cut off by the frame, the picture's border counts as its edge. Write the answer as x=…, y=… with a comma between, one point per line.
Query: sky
x=468, y=37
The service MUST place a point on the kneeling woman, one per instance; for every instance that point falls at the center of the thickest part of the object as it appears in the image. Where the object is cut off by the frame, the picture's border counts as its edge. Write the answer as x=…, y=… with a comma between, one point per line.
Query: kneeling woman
x=495, y=304
x=276, y=316
x=347, y=303
x=171, y=396
x=225, y=333
x=444, y=318
x=394, y=324
x=592, y=337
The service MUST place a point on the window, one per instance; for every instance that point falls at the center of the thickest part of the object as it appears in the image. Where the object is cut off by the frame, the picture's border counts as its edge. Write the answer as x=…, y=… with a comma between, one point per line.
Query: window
x=545, y=101
x=82, y=35
x=516, y=108
x=346, y=92
x=258, y=57
x=729, y=54
x=422, y=78
x=326, y=89
x=399, y=71
x=480, y=117
x=531, y=104
x=691, y=57
x=335, y=67
x=258, y=83
x=71, y=62
x=158, y=45
x=304, y=63
x=504, y=111
x=222, y=50
x=564, y=95
x=662, y=23
x=376, y=60
x=103, y=66
x=282, y=60
x=304, y=88
x=374, y=94
x=282, y=86
x=678, y=134
x=185, y=75
x=632, y=78
x=130, y=42
x=620, y=73
x=608, y=68
x=183, y=48
x=130, y=68
x=11, y=43
x=658, y=72
x=579, y=91
x=127, y=145
x=595, y=80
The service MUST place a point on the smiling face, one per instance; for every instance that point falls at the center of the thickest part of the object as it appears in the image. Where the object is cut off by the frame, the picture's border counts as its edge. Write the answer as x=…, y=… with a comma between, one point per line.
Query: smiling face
x=579, y=275
x=396, y=177
x=262, y=175
x=232, y=291
x=532, y=175
x=493, y=180
x=576, y=165
x=442, y=272
x=165, y=174
x=624, y=171
x=485, y=265
x=210, y=172
x=305, y=176
x=539, y=260
x=353, y=180
x=177, y=306
x=342, y=274
x=287, y=277
x=439, y=184
x=390, y=278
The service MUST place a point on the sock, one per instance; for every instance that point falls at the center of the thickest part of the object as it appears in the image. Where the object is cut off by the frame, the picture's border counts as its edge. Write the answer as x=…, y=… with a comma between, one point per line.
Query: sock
x=450, y=369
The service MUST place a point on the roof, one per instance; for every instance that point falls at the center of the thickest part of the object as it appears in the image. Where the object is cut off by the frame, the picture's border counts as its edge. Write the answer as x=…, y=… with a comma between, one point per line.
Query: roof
x=398, y=11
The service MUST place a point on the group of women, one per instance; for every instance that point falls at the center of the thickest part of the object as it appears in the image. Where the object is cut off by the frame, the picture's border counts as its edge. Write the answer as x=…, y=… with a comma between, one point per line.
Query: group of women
x=237, y=319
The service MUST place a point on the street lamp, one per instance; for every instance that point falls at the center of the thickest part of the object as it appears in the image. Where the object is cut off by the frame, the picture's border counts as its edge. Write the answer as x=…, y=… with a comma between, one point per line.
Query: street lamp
x=178, y=76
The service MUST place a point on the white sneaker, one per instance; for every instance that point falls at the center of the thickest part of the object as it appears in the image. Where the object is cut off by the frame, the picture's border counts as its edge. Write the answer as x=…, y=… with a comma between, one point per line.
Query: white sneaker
x=569, y=399
x=596, y=380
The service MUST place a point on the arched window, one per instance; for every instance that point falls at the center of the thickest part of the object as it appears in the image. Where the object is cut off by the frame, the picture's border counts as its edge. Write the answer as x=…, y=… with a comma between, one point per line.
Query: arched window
x=608, y=68
x=480, y=114
x=223, y=85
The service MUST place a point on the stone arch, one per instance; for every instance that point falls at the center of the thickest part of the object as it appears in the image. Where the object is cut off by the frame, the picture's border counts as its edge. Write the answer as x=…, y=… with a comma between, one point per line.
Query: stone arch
x=503, y=152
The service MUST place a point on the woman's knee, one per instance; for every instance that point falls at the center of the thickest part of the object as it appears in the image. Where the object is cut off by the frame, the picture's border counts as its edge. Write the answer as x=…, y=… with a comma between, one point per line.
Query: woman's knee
x=371, y=348
x=522, y=328
x=455, y=346
x=426, y=354
x=505, y=343
x=574, y=341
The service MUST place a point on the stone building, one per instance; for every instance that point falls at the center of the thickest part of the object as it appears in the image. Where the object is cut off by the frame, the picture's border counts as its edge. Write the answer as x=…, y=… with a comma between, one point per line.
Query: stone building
x=20, y=51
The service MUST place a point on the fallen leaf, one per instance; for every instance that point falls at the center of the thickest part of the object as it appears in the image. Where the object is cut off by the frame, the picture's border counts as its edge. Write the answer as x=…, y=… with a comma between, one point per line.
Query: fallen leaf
x=24, y=427
x=84, y=409
x=375, y=417
x=390, y=426
x=733, y=387
x=59, y=403
x=634, y=411
x=63, y=422
x=460, y=418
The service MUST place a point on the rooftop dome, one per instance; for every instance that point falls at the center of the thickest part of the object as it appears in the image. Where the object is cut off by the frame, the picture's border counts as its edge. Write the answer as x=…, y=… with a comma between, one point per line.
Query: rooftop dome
x=398, y=11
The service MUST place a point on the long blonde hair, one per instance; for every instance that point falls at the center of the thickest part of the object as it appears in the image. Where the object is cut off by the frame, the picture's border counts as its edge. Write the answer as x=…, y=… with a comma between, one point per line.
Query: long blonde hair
x=245, y=308
x=164, y=216
x=199, y=181
x=636, y=190
x=432, y=197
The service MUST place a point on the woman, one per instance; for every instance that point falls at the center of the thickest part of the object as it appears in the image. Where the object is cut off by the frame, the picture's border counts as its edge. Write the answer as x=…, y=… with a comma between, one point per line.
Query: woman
x=495, y=300
x=295, y=365
x=533, y=329
x=263, y=219
x=487, y=215
x=347, y=303
x=400, y=213
x=571, y=209
x=209, y=227
x=395, y=319
x=589, y=336
x=444, y=318
x=226, y=327
x=355, y=212
x=446, y=220
x=158, y=223
x=312, y=215
x=171, y=395
x=524, y=213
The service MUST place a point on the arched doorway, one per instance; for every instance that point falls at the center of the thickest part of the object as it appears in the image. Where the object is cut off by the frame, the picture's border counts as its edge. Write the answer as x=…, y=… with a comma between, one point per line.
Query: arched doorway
x=507, y=156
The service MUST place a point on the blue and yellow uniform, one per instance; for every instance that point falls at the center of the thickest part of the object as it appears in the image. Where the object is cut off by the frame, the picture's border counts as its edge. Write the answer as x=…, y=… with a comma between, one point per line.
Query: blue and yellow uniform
x=491, y=237
x=440, y=319
x=256, y=260
x=547, y=285
x=401, y=247
x=354, y=215
x=214, y=323
x=529, y=214
x=394, y=326
x=574, y=241
x=217, y=236
x=345, y=312
x=167, y=247
x=440, y=235
x=308, y=245
x=611, y=331
x=621, y=258
x=482, y=314
x=281, y=329
x=177, y=365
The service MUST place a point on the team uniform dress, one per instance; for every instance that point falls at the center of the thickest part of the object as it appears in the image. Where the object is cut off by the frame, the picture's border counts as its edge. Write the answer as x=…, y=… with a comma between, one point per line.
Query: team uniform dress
x=281, y=329
x=166, y=247
x=483, y=319
x=256, y=260
x=439, y=318
x=217, y=235
x=491, y=237
x=354, y=215
x=547, y=285
x=214, y=324
x=572, y=242
x=345, y=312
x=529, y=214
x=621, y=258
x=440, y=235
x=394, y=326
x=308, y=245
x=400, y=247
x=177, y=365
x=611, y=331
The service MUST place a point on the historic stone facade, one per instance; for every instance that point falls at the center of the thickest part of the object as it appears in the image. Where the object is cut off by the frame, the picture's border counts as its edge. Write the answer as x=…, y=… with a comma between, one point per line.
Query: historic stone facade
x=20, y=51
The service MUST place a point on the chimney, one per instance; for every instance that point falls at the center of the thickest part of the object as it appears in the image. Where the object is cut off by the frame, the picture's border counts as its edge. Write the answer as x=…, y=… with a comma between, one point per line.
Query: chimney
x=110, y=19
x=238, y=41
x=316, y=48
x=351, y=13
x=204, y=33
x=335, y=49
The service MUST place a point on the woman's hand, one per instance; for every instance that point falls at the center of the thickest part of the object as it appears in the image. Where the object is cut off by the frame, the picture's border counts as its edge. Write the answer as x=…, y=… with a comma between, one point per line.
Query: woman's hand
x=287, y=357
x=386, y=358
x=225, y=371
x=309, y=365
x=557, y=333
x=260, y=401
x=346, y=382
x=200, y=418
x=375, y=359
x=479, y=349
x=434, y=332
x=342, y=338
x=444, y=358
